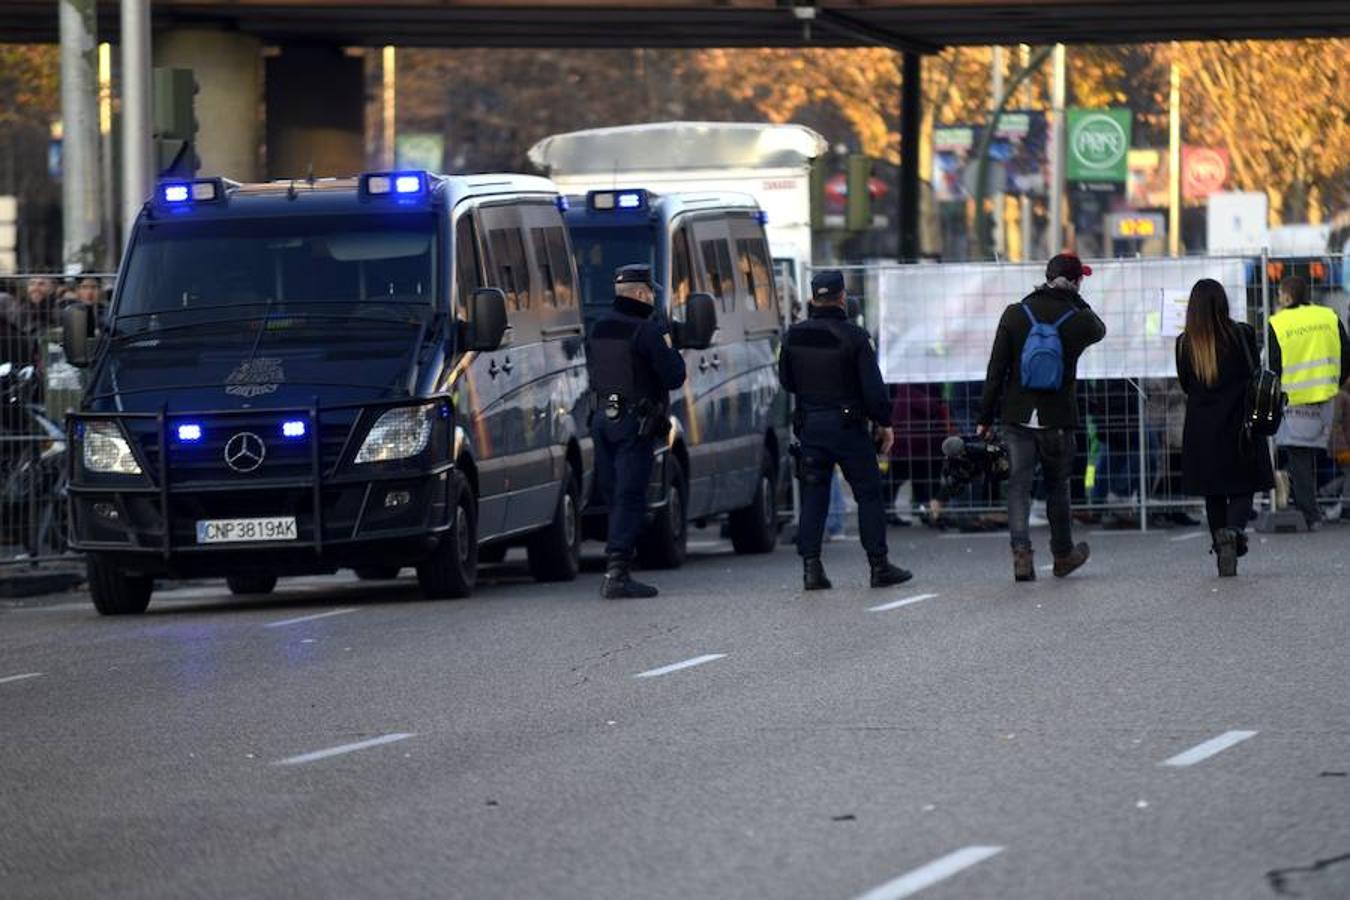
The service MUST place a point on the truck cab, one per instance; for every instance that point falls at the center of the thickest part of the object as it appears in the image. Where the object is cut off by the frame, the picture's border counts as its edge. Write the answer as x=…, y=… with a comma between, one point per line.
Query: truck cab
x=724, y=456
x=368, y=373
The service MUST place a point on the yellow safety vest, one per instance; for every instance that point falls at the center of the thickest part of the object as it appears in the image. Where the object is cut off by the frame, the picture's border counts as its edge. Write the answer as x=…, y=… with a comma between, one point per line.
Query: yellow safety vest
x=1310, y=349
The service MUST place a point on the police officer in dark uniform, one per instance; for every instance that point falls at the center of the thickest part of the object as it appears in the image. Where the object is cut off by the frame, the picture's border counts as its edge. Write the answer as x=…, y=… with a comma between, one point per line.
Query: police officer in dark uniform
x=829, y=363
x=633, y=367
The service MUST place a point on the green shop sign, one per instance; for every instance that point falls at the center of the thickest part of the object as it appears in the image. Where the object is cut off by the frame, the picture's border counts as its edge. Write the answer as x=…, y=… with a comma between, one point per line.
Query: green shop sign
x=1098, y=144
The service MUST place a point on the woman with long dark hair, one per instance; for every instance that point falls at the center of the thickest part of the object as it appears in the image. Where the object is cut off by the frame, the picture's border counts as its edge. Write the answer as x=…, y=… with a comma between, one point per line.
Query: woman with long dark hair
x=1219, y=460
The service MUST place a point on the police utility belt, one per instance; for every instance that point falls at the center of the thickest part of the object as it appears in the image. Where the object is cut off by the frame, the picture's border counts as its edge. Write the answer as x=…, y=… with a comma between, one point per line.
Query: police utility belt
x=849, y=416
x=614, y=406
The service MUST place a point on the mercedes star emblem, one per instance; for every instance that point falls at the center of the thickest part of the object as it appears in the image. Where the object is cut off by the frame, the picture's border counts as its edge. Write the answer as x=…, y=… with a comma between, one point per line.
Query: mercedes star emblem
x=245, y=452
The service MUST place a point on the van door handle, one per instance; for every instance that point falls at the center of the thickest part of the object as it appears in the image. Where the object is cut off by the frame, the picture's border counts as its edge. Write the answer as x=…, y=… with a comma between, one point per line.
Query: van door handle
x=493, y=368
x=506, y=365
x=703, y=363
x=716, y=361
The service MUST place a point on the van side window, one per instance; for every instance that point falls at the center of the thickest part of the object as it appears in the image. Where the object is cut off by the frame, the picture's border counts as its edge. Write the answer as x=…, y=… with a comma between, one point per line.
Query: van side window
x=753, y=258
x=547, y=278
x=721, y=277
x=560, y=260
x=466, y=263
x=681, y=273
x=509, y=267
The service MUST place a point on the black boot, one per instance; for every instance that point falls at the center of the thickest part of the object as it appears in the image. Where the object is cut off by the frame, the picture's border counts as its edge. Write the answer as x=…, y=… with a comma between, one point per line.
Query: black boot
x=886, y=575
x=1241, y=543
x=1225, y=547
x=813, y=575
x=619, y=583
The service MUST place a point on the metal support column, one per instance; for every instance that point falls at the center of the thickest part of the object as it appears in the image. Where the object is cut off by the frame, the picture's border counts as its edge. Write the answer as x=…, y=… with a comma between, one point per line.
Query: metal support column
x=80, y=192
x=1055, y=232
x=911, y=118
x=137, y=169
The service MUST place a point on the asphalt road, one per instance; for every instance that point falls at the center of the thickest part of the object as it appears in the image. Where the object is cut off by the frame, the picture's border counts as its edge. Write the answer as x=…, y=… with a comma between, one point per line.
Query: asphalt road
x=1140, y=729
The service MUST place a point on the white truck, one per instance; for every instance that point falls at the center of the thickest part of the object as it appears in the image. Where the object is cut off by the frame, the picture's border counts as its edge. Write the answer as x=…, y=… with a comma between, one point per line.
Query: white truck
x=771, y=163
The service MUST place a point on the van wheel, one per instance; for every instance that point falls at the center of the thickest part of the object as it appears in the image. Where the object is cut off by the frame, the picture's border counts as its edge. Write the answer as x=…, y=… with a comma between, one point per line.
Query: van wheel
x=754, y=529
x=377, y=573
x=115, y=593
x=664, y=543
x=555, y=552
x=452, y=568
x=251, y=584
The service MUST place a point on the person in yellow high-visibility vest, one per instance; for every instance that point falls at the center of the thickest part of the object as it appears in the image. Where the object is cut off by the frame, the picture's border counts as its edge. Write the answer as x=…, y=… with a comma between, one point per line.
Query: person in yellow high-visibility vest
x=1310, y=351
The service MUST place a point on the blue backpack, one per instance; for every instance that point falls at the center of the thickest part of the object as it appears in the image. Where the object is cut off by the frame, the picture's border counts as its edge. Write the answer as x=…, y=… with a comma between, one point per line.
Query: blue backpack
x=1043, y=354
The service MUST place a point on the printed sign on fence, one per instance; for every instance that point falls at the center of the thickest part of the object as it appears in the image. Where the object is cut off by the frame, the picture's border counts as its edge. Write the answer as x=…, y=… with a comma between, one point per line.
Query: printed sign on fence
x=937, y=322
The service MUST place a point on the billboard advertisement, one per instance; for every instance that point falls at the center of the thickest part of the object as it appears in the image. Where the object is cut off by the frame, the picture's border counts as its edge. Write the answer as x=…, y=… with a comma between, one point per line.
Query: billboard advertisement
x=1098, y=144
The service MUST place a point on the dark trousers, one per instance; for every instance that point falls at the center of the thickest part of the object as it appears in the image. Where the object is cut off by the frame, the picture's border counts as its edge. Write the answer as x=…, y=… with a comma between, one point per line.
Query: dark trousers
x=1231, y=511
x=1303, y=481
x=623, y=466
x=827, y=441
x=1053, y=448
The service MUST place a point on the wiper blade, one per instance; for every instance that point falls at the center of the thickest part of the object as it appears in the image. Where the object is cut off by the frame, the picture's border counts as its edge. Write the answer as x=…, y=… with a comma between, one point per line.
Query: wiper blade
x=150, y=334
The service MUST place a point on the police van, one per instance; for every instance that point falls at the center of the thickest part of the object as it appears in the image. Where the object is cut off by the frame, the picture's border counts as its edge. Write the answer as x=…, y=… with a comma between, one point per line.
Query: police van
x=365, y=373
x=725, y=453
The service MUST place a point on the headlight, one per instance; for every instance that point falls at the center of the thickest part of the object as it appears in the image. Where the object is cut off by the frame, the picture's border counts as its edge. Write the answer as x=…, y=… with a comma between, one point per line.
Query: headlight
x=398, y=434
x=105, y=450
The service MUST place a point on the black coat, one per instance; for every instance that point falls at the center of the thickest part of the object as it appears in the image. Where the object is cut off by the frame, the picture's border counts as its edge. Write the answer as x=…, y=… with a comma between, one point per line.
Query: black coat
x=1003, y=395
x=1216, y=458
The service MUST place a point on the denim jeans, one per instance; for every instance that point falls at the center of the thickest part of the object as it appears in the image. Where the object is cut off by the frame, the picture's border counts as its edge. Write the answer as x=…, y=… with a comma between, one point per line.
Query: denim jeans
x=1303, y=481
x=1053, y=448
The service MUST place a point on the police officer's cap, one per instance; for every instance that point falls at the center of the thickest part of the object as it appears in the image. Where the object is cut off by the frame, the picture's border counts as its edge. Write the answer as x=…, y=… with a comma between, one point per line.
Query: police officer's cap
x=827, y=283
x=634, y=274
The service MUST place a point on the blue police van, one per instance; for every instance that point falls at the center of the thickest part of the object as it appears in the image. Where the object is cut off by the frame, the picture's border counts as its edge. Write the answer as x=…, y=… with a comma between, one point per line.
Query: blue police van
x=729, y=436
x=367, y=373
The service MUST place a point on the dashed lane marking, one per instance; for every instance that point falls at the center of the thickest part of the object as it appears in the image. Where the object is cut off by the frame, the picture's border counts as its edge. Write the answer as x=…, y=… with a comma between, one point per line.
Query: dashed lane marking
x=1204, y=751
x=25, y=675
x=896, y=604
x=323, y=615
x=1187, y=537
x=928, y=875
x=316, y=755
x=675, y=667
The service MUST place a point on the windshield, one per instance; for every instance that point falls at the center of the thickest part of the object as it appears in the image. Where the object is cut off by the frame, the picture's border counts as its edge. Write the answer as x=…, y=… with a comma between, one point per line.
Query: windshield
x=372, y=264
x=600, y=251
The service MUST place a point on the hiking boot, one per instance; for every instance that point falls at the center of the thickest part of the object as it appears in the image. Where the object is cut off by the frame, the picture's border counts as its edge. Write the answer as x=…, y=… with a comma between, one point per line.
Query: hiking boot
x=1024, y=565
x=618, y=583
x=1072, y=560
x=1225, y=548
x=813, y=575
x=886, y=575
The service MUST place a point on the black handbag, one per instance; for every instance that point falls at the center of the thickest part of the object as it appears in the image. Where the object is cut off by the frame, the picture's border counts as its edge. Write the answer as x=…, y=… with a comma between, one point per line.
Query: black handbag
x=1266, y=399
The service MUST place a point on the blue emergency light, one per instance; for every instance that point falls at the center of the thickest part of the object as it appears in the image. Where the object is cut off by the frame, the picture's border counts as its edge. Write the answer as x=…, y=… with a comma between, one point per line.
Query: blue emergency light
x=762, y=217
x=399, y=185
x=189, y=433
x=295, y=428
x=611, y=201
x=180, y=194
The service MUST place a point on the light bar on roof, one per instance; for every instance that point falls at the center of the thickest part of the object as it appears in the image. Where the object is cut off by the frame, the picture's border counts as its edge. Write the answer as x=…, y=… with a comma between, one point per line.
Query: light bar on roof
x=184, y=193
x=625, y=200
x=394, y=184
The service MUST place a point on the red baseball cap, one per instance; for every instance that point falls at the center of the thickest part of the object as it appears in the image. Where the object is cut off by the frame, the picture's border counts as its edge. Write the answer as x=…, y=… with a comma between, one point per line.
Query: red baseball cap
x=1067, y=265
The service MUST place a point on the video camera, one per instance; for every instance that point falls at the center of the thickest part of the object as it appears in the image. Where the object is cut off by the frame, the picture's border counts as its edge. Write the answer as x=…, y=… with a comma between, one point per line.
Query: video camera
x=967, y=459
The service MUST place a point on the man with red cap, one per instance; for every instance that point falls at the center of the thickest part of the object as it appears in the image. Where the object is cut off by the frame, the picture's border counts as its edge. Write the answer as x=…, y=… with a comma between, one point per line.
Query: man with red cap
x=1031, y=385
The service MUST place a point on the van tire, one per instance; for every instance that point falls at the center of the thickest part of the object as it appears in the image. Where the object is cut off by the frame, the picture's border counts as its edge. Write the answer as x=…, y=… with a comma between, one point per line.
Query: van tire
x=377, y=573
x=555, y=552
x=754, y=528
x=451, y=570
x=114, y=592
x=243, y=585
x=664, y=543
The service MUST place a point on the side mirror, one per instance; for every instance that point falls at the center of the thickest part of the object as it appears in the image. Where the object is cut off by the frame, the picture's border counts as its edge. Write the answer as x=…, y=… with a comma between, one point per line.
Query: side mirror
x=487, y=323
x=700, y=321
x=77, y=334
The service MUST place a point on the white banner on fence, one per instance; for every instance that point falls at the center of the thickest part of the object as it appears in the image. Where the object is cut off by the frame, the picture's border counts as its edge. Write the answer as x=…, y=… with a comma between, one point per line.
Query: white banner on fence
x=937, y=322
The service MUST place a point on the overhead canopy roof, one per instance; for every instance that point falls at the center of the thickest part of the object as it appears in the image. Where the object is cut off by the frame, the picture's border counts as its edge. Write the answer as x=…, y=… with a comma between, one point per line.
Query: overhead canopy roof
x=914, y=24
x=678, y=145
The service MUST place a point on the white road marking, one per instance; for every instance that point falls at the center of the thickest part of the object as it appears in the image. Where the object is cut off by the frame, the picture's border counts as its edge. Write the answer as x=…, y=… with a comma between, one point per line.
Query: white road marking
x=1187, y=537
x=322, y=615
x=9, y=678
x=896, y=604
x=675, y=667
x=962, y=535
x=1204, y=751
x=928, y=875
x=344, y=748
